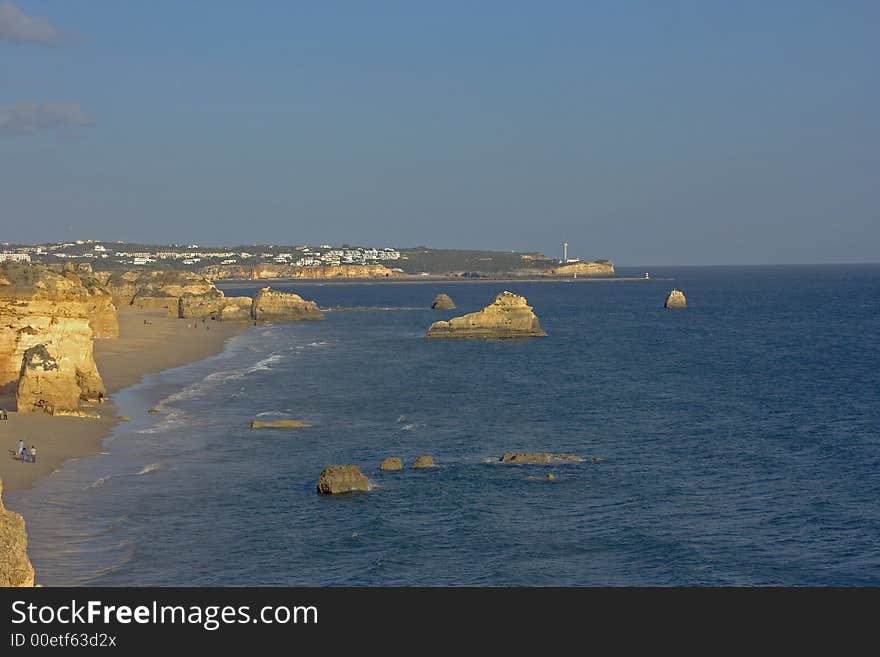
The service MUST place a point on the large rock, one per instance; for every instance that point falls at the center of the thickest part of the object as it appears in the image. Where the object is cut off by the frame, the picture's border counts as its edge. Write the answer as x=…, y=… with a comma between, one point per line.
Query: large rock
x=42, y=307
x=675, y=300
x=509, y=316
x=15, y=567
x=103, y=319
x=424, y=461
x=392, y=463
x=538, y=457
x=271, y=305
x=443, y=302
x=337, y=479
x=217, y=306
x=54, y=385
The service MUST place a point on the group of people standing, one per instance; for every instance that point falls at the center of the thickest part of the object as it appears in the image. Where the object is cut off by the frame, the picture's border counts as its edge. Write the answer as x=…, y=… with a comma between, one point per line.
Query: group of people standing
x=26, y=455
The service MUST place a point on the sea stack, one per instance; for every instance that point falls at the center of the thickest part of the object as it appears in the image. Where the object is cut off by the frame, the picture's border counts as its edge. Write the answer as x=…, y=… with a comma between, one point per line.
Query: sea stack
x=443, y=302
x=336, y=479
x=676, y=300
x=424, y=461
x=271, y=305
x=509, y=316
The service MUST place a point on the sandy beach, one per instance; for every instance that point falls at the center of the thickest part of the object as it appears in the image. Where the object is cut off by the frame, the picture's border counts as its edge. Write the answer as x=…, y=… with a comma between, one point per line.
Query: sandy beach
x=148, y=342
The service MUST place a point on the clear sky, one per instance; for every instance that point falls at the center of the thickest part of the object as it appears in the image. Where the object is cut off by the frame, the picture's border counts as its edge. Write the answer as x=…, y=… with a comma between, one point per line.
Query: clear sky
x=646, y=132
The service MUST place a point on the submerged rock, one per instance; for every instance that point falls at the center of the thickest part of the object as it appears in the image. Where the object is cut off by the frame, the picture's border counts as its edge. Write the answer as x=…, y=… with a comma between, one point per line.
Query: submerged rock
x=278, y=424
x=337, y=479
x=391, y=463
x=538, y=457
x=676, y=300
x=509, y=316
x=443, y=302
x=424, y=461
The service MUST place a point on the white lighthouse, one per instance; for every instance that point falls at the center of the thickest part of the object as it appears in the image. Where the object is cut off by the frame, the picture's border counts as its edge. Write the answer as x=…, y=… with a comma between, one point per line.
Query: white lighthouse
x=565, y=252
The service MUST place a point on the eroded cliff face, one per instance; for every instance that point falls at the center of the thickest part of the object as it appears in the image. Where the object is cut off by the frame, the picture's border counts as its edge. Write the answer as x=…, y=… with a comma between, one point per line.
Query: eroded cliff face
x=218, y=307
x=15, y=567
x=272, y=305
x=156, y=289
x=274, y=271
x=42, y=307
x=509, y=316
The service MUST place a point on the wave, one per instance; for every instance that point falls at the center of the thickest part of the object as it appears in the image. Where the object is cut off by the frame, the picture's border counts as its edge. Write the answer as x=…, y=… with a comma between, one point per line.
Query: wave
x=408, y=427
x=401, y=418
x=99, y=482
x=152, y=467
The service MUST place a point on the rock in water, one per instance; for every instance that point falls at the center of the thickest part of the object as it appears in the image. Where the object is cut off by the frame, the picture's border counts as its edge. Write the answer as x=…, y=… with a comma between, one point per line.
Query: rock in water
x=279, y=424
x=424, y=461
x=337, y=479
x=272, y=305
x=509, y=316
x=15, y=567
x=675, y=299
x=542, y=458
x=443, y=302
x=391, y=463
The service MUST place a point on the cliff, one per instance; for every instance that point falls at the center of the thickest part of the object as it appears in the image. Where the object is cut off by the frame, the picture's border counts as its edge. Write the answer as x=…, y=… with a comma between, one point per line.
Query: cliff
x=584, y=269
x=275, y=271
x=158, y=289
x=15, y=567
x=270, y=305
x=509, y=316
x=41, y=307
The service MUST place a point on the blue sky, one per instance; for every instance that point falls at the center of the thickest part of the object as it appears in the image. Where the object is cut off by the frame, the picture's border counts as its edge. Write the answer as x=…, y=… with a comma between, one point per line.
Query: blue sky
x=646, y=132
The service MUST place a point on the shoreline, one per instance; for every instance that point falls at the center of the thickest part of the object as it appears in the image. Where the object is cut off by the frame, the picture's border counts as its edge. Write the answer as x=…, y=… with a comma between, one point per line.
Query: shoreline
x=232, y=283
x=149, y=342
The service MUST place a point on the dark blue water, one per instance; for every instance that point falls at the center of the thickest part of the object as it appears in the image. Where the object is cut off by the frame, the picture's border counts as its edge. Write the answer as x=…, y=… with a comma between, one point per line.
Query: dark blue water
x=740, y=445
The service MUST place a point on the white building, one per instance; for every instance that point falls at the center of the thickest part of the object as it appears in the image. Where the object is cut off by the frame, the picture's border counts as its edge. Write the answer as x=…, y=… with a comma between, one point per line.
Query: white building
x=6, y=256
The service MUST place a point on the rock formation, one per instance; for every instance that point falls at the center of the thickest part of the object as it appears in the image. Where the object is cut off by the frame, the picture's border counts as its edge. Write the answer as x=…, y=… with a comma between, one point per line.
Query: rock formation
x=216, y=306
x=509, y=316
x=270, y=305
x=15, y=567
x=676, y=300
x=270, y=271
x=424, y=461
x=278, y=424
x=159, y=289
x=443, y=302
x=42, y=307
x=337, y=479
x=542, y=458
x=103, y=320
x=391, y=463
x=602, y=268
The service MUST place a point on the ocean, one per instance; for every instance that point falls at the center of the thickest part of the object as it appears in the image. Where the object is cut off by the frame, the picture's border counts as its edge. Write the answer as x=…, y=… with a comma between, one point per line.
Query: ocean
x=739, y=444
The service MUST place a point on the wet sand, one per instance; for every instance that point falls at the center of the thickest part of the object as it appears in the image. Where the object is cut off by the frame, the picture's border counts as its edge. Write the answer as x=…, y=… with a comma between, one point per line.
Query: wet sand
x=148, y=342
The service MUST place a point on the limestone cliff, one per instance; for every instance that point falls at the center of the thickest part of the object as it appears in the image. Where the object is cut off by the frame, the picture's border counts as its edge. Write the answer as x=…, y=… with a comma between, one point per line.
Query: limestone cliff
x=15, y=567
x=42, y=307
x=270, y=271
x=103, y=320
x=270, y=304
x=217, y=307
x=509, y=316
x=159, y=289
x=604, y=268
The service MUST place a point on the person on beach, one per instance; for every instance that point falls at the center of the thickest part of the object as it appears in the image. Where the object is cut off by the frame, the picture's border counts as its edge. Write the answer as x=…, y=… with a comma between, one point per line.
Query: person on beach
x=21, y=451
x=33, y=454
x=3, y=415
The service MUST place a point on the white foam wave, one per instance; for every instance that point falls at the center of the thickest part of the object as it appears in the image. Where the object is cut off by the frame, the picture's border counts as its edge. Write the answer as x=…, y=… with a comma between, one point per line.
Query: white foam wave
x=152, y=467
x=408, y=427
x=99, y=482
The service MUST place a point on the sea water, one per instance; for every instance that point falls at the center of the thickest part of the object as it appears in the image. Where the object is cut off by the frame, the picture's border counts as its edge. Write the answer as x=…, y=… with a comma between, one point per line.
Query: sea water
x=739, y=442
